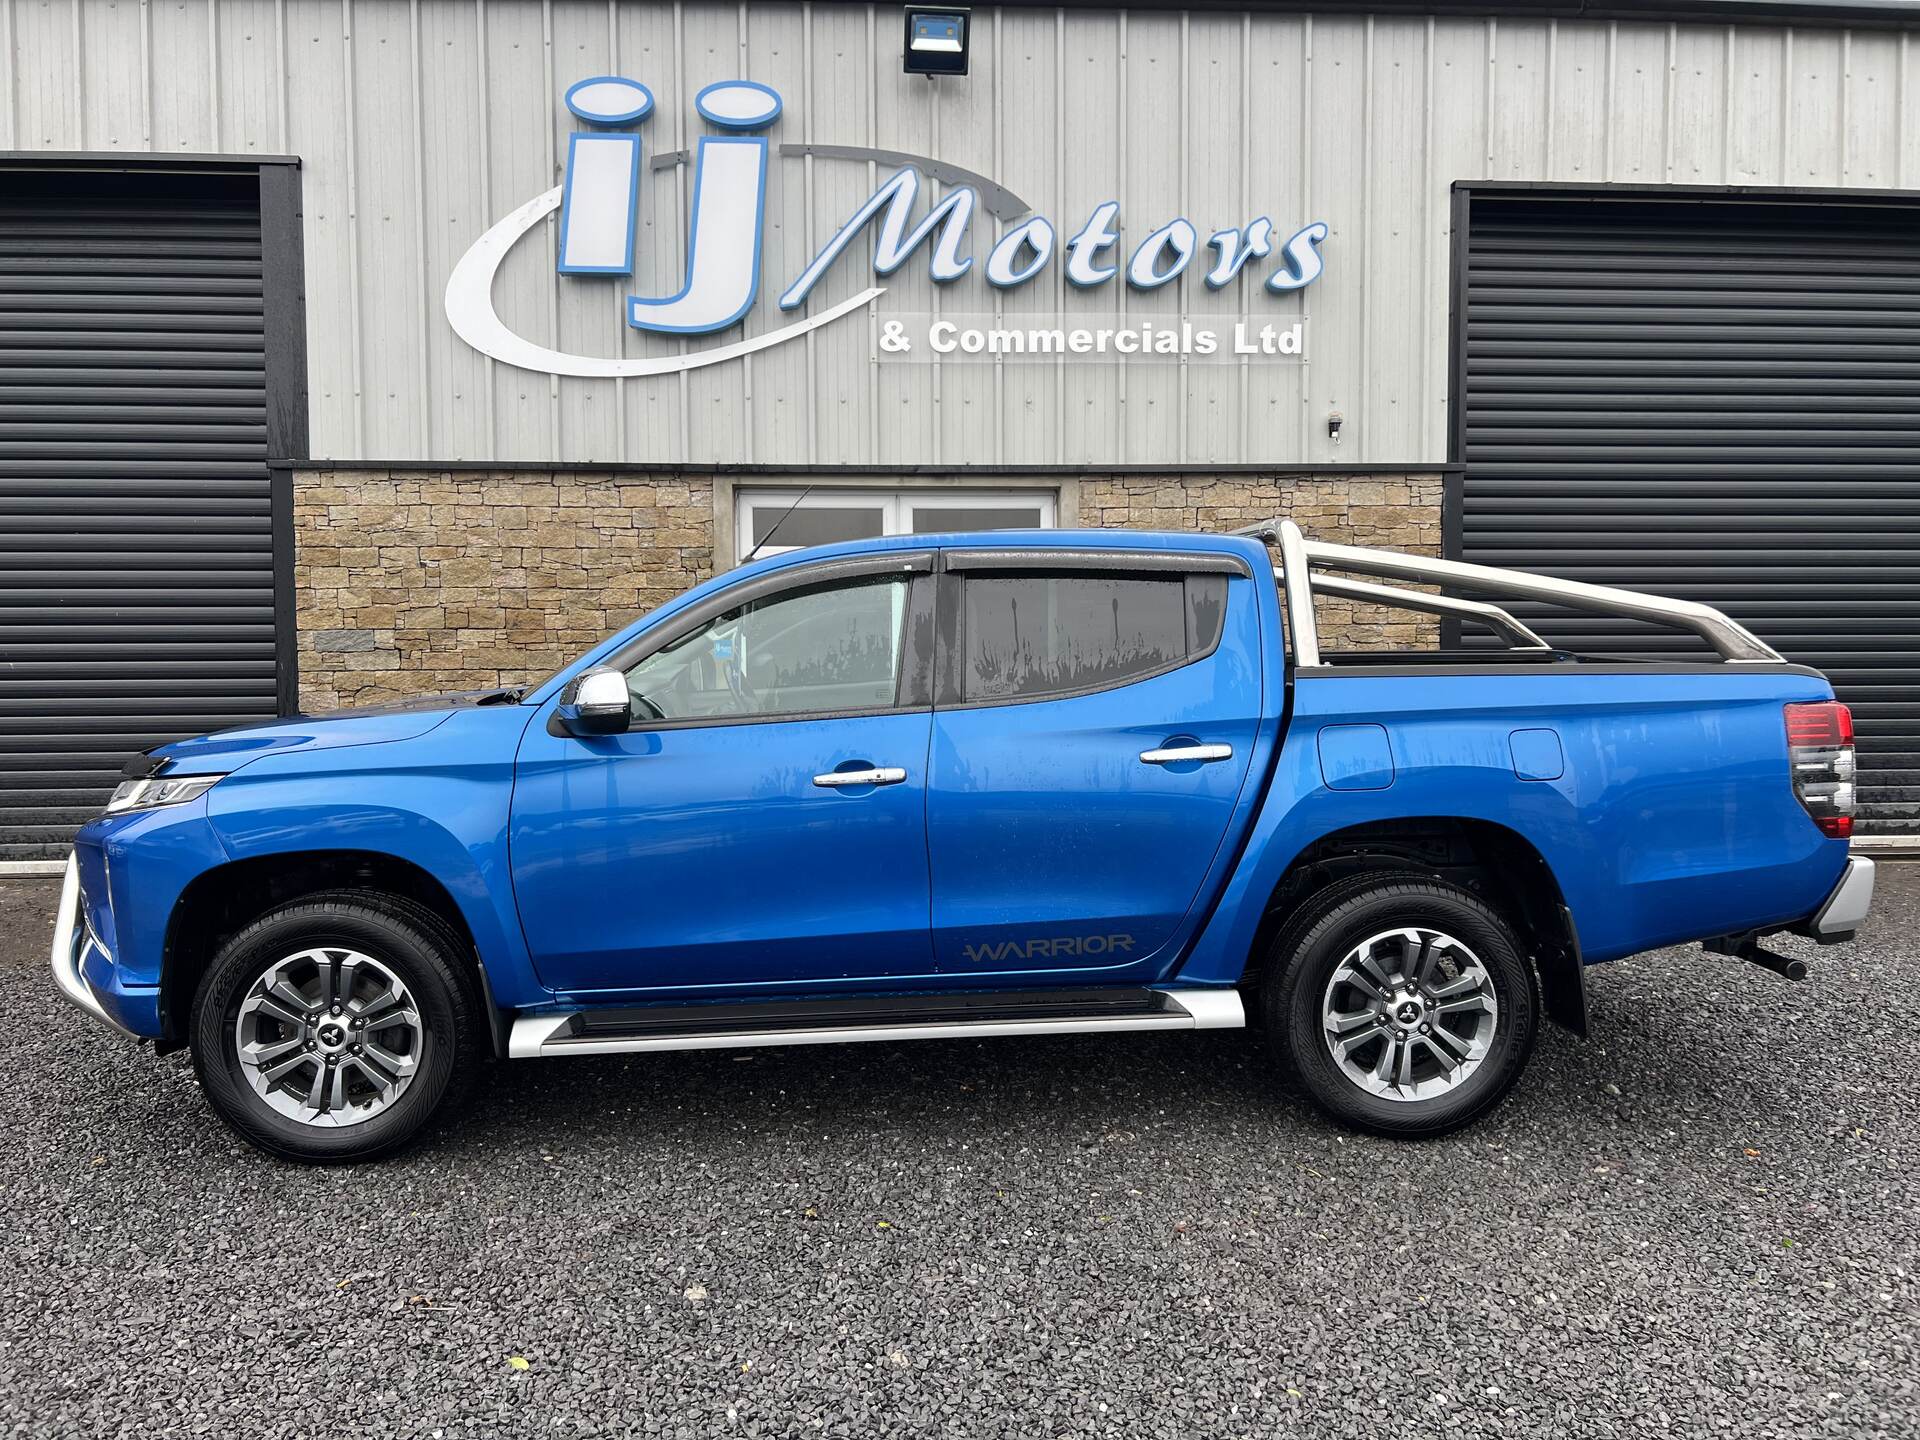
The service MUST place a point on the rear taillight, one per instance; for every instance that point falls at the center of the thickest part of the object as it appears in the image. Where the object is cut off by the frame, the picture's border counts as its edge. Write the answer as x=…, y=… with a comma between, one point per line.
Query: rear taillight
x=1820, y=749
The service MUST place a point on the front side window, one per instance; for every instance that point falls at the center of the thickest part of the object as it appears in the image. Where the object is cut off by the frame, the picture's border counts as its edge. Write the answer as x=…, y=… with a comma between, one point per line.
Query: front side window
x=1032, y=635
x=804, y=652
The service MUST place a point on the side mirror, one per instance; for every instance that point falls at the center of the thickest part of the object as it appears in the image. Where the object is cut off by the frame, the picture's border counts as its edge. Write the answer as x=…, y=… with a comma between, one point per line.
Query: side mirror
x=596, y=704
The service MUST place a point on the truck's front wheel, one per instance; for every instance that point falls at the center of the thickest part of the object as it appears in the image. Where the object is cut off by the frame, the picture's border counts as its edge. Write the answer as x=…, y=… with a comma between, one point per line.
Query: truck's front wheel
x=333, y=1029
x=1403, y=1006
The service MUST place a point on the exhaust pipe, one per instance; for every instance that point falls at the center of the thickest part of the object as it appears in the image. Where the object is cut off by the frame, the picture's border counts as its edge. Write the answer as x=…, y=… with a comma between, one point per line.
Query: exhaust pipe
x=1748, y=947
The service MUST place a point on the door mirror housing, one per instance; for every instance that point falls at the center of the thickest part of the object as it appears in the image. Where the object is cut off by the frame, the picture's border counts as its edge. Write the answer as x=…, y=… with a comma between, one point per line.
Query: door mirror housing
x=597, y=703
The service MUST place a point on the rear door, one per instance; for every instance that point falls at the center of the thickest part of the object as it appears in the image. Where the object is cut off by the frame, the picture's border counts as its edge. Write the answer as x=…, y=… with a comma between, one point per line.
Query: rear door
x=1093, y=724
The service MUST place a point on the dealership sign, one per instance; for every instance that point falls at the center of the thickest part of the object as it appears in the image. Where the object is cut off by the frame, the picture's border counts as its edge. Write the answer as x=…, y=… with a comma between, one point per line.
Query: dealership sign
x=599, y=205
x=1002, y=339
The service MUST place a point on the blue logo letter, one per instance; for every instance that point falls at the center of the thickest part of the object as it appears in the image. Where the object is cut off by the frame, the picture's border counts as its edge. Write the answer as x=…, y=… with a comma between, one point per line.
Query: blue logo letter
x=729, y=209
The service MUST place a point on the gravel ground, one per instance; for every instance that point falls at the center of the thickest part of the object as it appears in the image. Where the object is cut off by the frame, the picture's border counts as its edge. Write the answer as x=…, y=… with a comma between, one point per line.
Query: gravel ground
x=1702, y=1221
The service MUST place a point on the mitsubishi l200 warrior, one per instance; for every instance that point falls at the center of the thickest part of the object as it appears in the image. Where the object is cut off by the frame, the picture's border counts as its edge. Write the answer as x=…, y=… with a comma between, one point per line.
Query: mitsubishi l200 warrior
x=970, y=785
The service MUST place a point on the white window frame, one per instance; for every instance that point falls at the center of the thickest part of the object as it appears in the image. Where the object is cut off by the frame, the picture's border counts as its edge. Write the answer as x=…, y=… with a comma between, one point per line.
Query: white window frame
x=897, y=507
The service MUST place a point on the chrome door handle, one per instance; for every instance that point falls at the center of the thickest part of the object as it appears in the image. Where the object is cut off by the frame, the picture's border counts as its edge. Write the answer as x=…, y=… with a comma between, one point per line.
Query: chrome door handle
x=879, y=775
x=1180, y=753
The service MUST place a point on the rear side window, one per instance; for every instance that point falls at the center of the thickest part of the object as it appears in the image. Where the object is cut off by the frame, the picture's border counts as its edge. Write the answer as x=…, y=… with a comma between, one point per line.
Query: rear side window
x=1025, y=636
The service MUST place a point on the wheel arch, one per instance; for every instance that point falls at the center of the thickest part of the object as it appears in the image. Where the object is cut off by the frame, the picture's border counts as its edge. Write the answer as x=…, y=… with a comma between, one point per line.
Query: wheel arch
x=1495, y=862
x=221, y=901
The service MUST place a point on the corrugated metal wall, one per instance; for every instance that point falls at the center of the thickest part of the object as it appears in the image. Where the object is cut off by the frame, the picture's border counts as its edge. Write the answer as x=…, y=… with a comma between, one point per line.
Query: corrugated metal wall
x=136, y=539
x=1716, y=400
x=421, y=121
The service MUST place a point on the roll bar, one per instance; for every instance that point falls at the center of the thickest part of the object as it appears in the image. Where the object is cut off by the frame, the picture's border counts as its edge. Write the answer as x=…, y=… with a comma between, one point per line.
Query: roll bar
x=1302, y=561
x=1517, y=633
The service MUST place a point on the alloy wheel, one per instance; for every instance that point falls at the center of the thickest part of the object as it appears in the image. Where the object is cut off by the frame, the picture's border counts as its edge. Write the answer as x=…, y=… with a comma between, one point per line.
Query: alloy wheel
x=1409, y=1014
x=329, y=1036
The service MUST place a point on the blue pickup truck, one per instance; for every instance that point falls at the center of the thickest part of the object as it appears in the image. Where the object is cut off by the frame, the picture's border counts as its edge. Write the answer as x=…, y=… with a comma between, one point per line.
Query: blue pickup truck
x=970, y=785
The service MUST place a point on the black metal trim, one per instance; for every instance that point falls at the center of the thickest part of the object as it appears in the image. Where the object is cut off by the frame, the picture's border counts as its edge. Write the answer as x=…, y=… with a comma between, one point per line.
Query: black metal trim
x=1453, y=485
x=1877, y=14
x=1639, y=190
x=1157, y=562
x=1453, y=511
x=108, y=162
x=286, y=625
x=1453, y=495
x=827, y=472
x=1461, y=228
x=283, y=273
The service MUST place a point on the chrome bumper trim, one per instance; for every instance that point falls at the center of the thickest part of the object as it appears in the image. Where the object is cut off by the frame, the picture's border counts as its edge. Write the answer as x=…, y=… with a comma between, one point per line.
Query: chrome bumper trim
x=66, y=958
x=546, y=1035
x=1847, y=906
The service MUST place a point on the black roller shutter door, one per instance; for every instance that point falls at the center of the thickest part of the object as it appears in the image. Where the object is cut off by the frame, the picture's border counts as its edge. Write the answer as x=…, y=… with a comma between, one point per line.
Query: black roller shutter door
x=1713, y=398
x=136, y=540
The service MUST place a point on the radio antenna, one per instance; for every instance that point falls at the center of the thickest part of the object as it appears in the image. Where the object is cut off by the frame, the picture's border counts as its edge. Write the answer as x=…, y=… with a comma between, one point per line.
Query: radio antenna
x=777, y=524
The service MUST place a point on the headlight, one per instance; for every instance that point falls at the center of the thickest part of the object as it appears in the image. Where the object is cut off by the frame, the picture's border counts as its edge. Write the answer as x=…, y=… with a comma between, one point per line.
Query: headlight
x=151, y=793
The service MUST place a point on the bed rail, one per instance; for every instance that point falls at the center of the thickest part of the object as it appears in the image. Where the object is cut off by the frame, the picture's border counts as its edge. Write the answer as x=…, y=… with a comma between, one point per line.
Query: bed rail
x=1516, y=633
x=1303, y=564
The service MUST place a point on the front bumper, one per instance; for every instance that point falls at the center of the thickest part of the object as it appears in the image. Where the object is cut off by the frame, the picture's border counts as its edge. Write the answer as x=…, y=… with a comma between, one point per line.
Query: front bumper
x=1846, y=906
x=72, y=943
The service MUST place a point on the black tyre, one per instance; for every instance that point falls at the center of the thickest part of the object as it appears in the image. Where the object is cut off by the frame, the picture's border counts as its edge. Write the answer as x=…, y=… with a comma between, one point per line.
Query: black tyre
x=1401, y=1005
x=335, y=1028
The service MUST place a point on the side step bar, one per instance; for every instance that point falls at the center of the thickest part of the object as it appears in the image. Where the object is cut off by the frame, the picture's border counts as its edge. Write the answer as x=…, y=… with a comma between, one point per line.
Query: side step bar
x=846, y=1021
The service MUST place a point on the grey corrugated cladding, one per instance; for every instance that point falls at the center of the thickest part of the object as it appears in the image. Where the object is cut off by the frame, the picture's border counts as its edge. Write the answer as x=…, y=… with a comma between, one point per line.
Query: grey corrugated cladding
x=420, y=123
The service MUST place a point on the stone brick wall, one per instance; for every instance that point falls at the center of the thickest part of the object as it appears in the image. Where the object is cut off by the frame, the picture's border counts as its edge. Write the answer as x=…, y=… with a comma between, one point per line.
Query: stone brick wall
x=408, y=584
x=411, y=582
x=1389, y=512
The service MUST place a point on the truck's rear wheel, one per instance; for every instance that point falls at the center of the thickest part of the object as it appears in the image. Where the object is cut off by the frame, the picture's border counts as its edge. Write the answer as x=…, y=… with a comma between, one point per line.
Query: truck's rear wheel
x=1402, y=1006
x=333, y=1029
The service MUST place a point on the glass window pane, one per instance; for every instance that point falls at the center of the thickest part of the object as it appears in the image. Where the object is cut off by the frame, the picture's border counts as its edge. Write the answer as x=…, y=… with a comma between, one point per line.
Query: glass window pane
x=805, y=652
x=818, y=524
x=937, y=519
x=1041, y=634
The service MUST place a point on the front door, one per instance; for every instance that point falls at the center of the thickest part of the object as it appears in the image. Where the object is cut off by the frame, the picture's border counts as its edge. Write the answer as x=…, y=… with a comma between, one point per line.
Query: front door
x=763, y=821
x=1090, y=743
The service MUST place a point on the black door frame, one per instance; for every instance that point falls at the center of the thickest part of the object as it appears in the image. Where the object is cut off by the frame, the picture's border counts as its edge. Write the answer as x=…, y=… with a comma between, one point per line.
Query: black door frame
x=284, y=302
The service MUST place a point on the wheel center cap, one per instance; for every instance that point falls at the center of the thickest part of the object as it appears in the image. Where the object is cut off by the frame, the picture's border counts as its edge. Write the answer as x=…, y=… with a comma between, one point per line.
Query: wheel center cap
x=331, y=1036
x=1408, y=1012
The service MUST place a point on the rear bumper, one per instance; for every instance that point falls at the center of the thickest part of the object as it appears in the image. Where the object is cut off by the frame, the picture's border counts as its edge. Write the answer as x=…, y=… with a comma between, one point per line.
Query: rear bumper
x=73, y=946
x=1847, y=904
